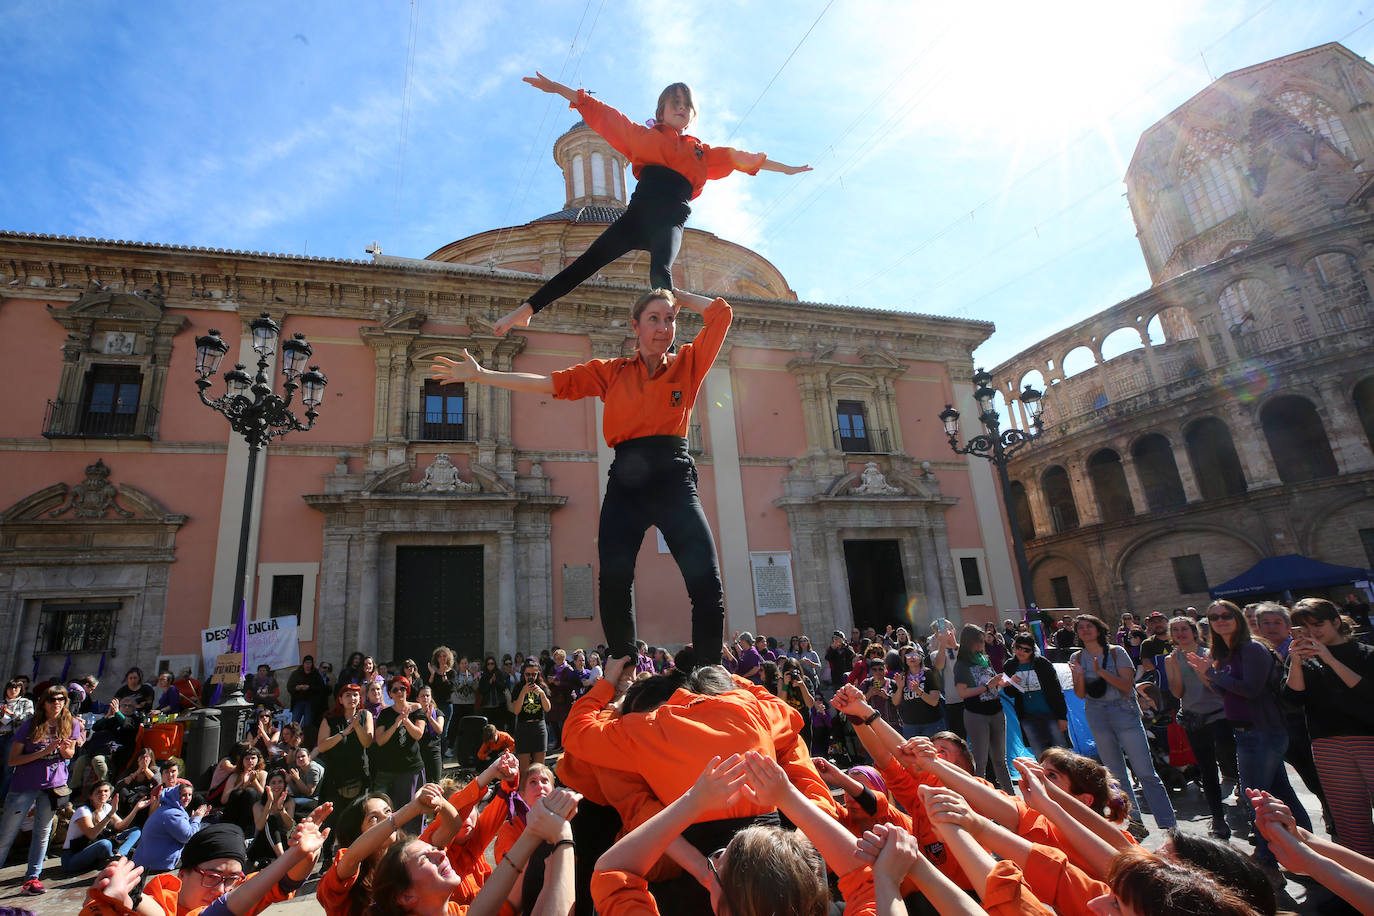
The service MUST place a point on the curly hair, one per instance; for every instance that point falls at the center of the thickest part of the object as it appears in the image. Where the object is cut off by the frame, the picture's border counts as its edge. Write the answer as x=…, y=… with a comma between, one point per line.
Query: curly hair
x=1088, y=777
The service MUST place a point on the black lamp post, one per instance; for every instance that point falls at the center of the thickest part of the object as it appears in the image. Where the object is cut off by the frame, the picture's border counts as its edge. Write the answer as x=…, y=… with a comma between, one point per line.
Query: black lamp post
x=254, y=410
x=997, y=446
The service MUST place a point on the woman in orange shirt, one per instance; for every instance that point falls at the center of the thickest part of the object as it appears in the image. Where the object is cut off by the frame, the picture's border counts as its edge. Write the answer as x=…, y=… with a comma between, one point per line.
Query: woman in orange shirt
x=672, y=168
x=653, y=480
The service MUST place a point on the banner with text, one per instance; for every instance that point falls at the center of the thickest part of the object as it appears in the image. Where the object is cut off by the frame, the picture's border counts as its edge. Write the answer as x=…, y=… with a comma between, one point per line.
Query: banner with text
x=270, y=642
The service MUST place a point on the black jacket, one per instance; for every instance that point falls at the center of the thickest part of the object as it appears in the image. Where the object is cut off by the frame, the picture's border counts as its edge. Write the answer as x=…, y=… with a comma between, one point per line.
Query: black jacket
x=1049, y=684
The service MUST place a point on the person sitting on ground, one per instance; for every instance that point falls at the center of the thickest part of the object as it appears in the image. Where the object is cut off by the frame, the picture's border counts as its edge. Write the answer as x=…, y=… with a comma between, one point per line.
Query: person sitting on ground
x=303, y=779
x=177, y=818
x=97, y=833
x=170, y=775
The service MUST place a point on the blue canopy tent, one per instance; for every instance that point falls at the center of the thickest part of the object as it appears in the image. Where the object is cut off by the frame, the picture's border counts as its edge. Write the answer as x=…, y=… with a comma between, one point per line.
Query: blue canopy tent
x=1289, y=574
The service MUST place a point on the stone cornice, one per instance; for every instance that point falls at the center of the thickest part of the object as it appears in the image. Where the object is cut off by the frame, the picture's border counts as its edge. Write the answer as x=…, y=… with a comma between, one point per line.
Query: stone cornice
x=57, y=270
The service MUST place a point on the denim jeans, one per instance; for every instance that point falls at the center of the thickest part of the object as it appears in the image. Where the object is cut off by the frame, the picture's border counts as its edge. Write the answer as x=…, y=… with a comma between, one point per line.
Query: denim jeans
x=1043, y=732
x=928, y=730
x=17, y=805
x=6, y=771
x=1120, y=738
x=1259, y=756
x=96, y=854
x=303, y=714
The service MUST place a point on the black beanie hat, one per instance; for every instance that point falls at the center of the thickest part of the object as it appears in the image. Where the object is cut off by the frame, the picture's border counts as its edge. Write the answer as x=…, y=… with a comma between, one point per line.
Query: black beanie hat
x=217, y=841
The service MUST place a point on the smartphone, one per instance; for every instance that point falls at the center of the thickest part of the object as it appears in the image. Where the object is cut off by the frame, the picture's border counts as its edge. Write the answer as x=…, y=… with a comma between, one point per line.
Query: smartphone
x=1299, y=632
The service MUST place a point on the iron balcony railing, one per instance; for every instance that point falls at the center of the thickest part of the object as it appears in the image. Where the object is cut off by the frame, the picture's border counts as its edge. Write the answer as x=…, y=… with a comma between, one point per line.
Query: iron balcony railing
x=72, y=421
x=436, y=426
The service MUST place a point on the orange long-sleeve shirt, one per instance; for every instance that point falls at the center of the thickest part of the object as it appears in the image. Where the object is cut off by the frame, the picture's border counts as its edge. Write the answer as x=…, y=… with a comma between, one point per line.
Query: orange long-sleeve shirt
x=669, y=746
x=903, y=785
x=469, y=858
x=622, y=893
x=1008, y=893
x=503, y=742
x=638, y=404
x=662, y=145
x=162, y=891
x=1037, y=828
x=1060, y=884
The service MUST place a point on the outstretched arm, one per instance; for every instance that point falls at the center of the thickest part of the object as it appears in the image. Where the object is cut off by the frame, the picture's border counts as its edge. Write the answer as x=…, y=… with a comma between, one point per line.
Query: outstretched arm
x=770, y=166
x=544, y=84
x=448, y=371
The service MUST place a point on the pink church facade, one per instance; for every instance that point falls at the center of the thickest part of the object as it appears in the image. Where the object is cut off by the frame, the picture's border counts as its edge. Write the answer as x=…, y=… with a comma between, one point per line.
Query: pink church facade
x=412, y=516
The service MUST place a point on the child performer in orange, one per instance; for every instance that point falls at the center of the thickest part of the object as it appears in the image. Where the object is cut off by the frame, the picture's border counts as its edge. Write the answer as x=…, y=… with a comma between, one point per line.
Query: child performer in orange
x=672, y=168
x=653, y=480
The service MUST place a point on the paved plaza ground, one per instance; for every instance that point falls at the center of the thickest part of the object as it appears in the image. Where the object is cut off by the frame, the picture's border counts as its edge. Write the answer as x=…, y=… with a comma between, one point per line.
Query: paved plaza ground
x=65, y=895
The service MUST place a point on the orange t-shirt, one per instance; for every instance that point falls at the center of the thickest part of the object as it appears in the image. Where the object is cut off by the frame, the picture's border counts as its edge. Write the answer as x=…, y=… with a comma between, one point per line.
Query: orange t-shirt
x=503, y=742
x=638, y=404
x=662, y=145
x=669, y=746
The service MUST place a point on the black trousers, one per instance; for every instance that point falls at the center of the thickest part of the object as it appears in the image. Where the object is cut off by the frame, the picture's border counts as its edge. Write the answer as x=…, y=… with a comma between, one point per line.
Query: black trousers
x=653, y=222
x=653, y=482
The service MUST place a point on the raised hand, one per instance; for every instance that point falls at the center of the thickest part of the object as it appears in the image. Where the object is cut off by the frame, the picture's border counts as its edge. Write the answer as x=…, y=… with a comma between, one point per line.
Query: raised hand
x=118, y=880
x=719, y=784
x=518, y=317
x=308, y=838
x=948, y=809
x=899, y=854
x=508, y=767
x=764, y=781
x=827, y=770
x=918, y=752
x=429, y=797
x=849, y=701
x=447, y=371
x=1032, y=784
x=321, y=813
x=549, y=817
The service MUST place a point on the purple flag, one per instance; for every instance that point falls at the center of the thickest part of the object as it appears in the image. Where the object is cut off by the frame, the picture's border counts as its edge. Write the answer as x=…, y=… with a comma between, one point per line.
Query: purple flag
x=238, y=642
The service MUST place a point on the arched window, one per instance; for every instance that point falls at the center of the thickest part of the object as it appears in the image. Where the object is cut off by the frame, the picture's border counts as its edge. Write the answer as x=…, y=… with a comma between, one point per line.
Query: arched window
x=1159, y=228
x=1297, y=440
x=1158, y=472
x=1364, y=407
x=1317, y=116
x=598, y=175
x=1213, y=456
x=1244, y=300
x=1059, y=498
x=618, y=173
x=1207, y=172
x=1109, y=485
x=579, y=179
x=1022, y=507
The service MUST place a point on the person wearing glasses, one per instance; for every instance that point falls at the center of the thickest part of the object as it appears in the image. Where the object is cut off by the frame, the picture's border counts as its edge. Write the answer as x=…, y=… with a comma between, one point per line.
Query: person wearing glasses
x=39, y=754
x=1239, y=670
x=1034, y=688
x=15, y=710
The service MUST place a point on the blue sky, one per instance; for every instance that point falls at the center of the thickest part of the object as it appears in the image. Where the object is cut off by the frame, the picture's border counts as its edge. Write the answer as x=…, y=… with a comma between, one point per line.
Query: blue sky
x=968, y=161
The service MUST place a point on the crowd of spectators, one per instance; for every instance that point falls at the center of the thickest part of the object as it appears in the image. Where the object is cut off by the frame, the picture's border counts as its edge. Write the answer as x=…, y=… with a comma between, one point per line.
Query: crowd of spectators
x=884, y=759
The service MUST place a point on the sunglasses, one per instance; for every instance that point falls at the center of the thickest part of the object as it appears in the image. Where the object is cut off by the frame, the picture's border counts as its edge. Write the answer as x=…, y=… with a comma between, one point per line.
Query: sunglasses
x=1227, y=615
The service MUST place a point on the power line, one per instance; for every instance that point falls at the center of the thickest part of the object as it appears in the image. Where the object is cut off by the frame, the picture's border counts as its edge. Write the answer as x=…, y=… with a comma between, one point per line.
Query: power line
x=740, y=122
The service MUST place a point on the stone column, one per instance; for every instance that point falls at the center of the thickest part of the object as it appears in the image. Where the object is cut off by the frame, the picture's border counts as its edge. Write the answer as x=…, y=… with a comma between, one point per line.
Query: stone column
x=1252, y=448
x=1139, y=504
x=930, y=572
x=1084, y=499
x=1151, y=363
x=369, y=592
x=514, y=627
x=1344, y=430
x=1191, y=491
x=1039, y=508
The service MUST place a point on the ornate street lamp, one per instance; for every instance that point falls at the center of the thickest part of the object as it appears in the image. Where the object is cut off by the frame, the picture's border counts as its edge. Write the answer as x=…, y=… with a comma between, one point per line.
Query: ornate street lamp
x=254, y=410
x=997, y=446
